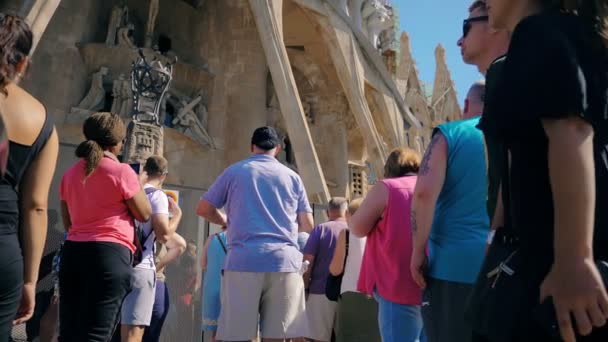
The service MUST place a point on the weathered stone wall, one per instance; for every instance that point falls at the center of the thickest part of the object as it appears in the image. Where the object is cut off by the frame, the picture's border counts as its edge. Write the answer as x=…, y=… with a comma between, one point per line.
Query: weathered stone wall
x=232, y=46
x=57, y=76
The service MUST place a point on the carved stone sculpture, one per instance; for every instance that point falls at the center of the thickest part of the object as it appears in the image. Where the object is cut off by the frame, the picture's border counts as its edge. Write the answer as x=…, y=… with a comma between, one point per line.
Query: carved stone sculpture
x=125, y=36
x=342, y=5
x=117, y=94
x=117, y=19
x=186, y=120
x=152, y=14
x=126, y=93
x=355, y=8
x=96, y=96
x=377, y=19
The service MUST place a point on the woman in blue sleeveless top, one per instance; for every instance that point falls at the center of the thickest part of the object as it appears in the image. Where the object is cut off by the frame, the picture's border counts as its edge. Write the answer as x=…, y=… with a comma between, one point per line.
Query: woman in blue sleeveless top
x=212, y=263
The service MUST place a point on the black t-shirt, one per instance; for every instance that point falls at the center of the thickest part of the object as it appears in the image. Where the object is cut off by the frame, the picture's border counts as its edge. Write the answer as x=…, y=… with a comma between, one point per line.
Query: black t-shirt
x=494, y=147
x=555, y=67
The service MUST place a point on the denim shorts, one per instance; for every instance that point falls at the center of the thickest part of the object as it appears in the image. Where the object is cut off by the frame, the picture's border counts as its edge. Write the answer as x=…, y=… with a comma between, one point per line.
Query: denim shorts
x=399, y=322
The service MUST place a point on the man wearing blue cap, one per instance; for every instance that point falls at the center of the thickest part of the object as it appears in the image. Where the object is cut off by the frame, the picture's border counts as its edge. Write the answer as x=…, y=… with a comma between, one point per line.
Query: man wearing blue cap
x=266, y=205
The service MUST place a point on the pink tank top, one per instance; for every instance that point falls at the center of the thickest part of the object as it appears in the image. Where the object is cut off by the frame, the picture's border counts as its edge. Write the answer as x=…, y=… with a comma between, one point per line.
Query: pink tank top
x=386, y=261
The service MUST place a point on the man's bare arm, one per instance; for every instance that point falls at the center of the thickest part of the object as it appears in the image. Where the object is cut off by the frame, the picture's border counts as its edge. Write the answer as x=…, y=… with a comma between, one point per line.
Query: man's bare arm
x=207, y=211
x=428, y=187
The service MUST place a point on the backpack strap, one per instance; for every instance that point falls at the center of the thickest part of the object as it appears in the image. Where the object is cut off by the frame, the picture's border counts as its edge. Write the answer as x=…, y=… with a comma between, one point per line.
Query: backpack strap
x=222, y=243
x=347, y=243
x=149, y=192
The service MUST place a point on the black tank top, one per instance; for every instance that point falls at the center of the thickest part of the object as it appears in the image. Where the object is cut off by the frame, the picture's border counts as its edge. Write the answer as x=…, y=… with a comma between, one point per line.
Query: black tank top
x=20, y=157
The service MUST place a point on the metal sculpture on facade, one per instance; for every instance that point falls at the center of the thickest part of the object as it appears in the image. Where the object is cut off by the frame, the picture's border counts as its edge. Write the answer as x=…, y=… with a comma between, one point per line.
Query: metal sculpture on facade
x=149, y=83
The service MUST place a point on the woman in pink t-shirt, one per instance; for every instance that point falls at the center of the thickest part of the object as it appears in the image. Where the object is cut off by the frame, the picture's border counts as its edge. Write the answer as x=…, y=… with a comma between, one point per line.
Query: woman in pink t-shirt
x=384, y=218
x=100, y=197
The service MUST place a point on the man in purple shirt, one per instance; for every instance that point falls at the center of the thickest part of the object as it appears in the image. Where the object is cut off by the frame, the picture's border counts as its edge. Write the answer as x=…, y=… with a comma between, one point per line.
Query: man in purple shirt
x=266, y=205
x=319, y=251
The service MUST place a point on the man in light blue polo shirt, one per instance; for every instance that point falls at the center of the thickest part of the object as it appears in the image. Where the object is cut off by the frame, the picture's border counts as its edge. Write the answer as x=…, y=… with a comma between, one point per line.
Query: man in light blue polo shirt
x=266, y=205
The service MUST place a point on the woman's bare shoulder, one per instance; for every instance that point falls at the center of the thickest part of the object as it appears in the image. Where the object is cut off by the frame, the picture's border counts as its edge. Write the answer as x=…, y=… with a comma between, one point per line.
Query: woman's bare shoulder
x=23, y=114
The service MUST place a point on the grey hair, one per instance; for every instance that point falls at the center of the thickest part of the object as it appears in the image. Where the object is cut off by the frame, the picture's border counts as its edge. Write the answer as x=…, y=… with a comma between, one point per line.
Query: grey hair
x=338, y=204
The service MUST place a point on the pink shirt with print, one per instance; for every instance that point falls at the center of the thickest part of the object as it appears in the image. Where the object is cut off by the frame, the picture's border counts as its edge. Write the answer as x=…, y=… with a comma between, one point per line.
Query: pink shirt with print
x=97, y=205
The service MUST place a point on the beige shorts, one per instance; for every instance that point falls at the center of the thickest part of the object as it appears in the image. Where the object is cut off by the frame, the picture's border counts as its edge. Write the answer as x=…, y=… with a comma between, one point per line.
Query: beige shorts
x=321, y=313
x=277, y=299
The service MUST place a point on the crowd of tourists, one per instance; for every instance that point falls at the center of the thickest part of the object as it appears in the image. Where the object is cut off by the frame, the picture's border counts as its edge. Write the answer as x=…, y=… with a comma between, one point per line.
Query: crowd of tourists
x=498, y=233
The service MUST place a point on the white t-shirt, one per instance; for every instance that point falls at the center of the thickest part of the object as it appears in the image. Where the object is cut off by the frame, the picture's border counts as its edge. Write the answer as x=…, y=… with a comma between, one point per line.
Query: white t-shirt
x=160, y=206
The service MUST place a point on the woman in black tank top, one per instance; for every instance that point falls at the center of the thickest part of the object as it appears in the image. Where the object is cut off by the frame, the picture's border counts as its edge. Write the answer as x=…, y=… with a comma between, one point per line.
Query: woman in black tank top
x=24, y=188
x=552, y=117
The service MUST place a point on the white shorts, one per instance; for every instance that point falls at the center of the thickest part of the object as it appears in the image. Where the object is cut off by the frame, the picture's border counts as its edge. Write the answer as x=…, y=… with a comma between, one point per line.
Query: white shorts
x=277, y=299
x=137, y=306
x=321, y=313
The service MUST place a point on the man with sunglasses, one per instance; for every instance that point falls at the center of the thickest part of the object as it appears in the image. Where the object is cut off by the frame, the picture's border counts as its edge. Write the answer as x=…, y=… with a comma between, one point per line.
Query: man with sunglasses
x=486, y=48
x=449, y=211
x=480, y=45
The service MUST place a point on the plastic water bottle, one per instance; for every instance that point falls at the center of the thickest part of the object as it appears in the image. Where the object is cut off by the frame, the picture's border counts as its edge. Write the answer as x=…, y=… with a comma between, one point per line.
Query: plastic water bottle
x=304, y=267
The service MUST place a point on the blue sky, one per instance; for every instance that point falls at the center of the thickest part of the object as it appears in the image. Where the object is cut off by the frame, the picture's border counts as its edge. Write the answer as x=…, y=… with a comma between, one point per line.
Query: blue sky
x=432, y=22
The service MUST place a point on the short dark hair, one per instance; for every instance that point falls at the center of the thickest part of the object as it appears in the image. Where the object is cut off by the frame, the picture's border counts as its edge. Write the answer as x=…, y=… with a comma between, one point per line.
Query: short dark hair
x=156, y=166
x=479, y=4
x=265, y=138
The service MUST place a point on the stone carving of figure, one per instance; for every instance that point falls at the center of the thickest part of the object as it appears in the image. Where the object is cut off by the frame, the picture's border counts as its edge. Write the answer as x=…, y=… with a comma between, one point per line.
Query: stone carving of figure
x=202, y=114
x=388, y=39
x=95, y=98
x=355, y=8
x=187, y=121
x=377, y=19
x=342, y=5
x=117, y=94
x=125, y=36
x=418, y=145
x=152, y=14
x=126, y=109
x=116, y=21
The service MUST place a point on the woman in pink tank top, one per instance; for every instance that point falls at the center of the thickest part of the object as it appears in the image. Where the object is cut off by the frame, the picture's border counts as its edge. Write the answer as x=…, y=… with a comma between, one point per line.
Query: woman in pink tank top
x=384, y=218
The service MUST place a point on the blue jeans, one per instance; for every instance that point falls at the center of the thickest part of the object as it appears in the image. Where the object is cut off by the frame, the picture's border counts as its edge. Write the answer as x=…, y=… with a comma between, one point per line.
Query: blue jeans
x=398, y=322
x=159, y=313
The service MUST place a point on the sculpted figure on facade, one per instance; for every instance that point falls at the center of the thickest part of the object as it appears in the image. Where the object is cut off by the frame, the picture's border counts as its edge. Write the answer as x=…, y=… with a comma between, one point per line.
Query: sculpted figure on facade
x=126, y=108
x=377, y=19
x=187, y=121
x=117, y=20
x=117, y=94
x=342, y=5
x=355, y=8
x=125, y=36
x=96, y=96
x=151, y=23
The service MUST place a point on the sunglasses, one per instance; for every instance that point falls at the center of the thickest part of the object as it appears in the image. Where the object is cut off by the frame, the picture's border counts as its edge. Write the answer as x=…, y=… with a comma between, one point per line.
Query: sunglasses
x=468, y=23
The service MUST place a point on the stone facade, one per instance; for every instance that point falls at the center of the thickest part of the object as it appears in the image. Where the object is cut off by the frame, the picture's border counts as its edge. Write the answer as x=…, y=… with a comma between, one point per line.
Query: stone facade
x=356, y=99
x=330, y=75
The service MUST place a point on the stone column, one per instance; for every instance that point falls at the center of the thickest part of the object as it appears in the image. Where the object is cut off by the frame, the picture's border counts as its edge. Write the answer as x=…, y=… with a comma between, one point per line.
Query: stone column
x=268, y=17
x=39, y=17
x=37, y=13
x=345, y=55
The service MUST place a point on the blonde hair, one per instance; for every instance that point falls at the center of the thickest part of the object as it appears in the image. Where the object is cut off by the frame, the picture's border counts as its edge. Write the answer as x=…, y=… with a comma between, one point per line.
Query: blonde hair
x=400, y=162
